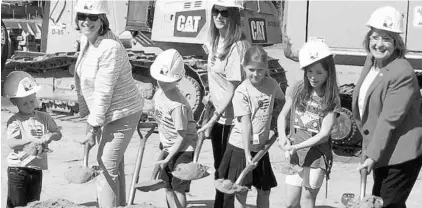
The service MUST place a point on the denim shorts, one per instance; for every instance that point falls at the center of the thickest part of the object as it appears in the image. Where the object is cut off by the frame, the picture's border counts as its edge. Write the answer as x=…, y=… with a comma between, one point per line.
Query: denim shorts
x=173, y=182
x=24, y=186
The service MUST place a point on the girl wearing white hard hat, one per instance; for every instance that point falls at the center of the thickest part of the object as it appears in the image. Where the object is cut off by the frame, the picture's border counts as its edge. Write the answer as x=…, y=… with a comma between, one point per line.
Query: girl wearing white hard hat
x=108, y=96
x=386, y=107
x=226, y=46
x=313, y=105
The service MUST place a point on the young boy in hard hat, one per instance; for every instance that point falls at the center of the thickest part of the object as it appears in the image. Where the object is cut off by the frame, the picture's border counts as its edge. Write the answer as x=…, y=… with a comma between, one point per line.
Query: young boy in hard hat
x=177, y=128
x=28, y=133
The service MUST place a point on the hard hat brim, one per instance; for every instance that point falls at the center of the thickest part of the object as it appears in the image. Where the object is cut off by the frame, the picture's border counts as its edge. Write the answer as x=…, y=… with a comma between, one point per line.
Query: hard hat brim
x=85, y=11
x=162, y=77
x=391, y=30
x=229, y=5
x=27, y=93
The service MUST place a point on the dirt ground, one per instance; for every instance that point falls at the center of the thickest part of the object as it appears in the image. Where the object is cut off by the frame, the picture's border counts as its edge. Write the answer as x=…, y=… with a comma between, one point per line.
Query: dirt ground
x=67, y=153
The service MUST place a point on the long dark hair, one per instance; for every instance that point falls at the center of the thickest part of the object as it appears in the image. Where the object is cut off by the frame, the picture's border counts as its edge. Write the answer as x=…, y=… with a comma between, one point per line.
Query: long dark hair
x=105, y=27
x=234, y=32
x=331, y=92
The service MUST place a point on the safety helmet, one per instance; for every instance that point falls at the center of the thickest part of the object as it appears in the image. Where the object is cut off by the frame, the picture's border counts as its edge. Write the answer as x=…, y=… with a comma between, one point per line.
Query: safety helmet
x=313, y=51
x=92, y=6
x=386, y=18
x=19, y=84
x=168, y=66
x=229, y=3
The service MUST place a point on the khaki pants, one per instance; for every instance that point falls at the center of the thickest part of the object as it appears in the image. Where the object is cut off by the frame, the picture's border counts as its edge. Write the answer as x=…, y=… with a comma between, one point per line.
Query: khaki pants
x=111, y=186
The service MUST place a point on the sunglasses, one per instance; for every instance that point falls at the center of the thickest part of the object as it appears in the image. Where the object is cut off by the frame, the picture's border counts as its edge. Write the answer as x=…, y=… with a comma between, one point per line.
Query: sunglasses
x=223, y=13
x=91, y=17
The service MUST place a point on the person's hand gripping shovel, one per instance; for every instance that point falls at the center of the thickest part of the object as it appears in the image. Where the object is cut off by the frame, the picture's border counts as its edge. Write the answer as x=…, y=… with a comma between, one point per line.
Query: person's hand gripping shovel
x=194, y=170
x=349, y=199
x=153, y=183
x=228, y=187
x=84, y=173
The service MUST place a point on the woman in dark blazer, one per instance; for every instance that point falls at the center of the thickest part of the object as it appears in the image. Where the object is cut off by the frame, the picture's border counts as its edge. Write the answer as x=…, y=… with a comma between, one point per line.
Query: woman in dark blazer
x=386, y=106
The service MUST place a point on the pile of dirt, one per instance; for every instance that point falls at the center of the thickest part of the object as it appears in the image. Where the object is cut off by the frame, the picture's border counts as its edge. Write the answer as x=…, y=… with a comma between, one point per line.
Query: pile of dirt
x=63, y=203
x=55, y=203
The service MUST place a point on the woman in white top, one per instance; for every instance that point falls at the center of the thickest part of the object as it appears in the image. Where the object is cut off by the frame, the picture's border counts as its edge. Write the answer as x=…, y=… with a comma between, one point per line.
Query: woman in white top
x=108, y=96
x=226, y=47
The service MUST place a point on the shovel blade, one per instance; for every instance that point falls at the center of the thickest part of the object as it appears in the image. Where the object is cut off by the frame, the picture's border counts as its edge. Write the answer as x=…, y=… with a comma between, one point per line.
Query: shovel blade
x=228, y=187
x=190, y=171
x=348, y=200
x=151, y=185
x=81, y=174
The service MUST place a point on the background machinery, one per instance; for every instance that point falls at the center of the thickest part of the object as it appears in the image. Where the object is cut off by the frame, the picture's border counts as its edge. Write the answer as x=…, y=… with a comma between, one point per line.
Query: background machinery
x=183, y=25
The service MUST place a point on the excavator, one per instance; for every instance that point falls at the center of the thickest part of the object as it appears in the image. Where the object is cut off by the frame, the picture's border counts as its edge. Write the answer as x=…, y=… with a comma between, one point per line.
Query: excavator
x=183, y=25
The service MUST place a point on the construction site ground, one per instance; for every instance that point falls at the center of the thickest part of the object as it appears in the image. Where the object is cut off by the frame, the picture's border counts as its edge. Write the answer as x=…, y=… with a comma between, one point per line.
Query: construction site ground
x=67, y=153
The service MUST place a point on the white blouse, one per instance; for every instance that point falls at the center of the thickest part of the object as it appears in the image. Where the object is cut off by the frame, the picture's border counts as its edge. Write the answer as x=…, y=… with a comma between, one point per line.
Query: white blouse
x=364, y=88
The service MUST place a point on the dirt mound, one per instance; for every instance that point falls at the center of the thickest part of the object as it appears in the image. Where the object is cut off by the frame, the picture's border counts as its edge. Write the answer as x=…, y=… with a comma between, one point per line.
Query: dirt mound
x=64, y=203
x=55, y=203
x=370, y=202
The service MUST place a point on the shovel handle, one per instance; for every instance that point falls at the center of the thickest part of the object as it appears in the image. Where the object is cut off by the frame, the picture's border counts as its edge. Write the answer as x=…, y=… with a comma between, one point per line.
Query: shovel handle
x=201, y=137
x=255, y=159
x=86, y=154
x=363, y=177
x=157, y=166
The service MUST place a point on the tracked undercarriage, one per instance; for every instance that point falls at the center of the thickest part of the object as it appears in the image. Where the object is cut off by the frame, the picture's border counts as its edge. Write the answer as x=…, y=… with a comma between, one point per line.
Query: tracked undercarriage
x=54, y=72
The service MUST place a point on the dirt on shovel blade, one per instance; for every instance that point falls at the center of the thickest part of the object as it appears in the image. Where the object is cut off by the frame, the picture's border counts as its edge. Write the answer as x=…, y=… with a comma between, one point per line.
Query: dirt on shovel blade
x=151, y=185
x=228, y=187
x=370, y=202
x=63, y=203
x=190, y=171
x=81, y=174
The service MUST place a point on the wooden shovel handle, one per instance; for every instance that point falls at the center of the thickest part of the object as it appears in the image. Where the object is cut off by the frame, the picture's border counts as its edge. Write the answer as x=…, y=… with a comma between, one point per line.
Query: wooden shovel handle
x=86, y=153
x=363, y=177
x=201, y=137
x=156, y=169
x=255, y=159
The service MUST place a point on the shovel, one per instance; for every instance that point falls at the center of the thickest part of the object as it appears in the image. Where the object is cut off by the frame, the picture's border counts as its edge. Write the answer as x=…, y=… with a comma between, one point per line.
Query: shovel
x=153, y=184
x=194, y=170
x=83, y=174
x=348, y=199
x=228, y=187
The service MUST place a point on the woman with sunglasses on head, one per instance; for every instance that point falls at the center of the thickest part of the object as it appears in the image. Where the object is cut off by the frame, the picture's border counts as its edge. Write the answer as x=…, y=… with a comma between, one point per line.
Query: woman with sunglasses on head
x=108, y=96
x=386, y=106
x=226, y=47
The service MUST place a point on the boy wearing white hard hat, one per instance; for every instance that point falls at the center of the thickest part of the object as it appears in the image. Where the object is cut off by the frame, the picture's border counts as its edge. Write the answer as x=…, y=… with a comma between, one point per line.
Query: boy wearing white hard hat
x=313, y=104
x=177, y=128
x=28, y=132
x=386, y=106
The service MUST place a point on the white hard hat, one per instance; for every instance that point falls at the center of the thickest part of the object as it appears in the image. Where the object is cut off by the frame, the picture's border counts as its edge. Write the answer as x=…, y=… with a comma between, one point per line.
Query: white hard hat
x=386, y=18
x=313, y=51
x=92, y=6
x=229, y=3
x=19, y=84
x=168, y=66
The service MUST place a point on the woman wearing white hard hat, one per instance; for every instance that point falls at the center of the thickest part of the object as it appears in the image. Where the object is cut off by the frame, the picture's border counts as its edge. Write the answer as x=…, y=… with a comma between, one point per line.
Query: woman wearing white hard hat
x=226, y=47
x=386, y=107
x=108, y=96
x=313, y=104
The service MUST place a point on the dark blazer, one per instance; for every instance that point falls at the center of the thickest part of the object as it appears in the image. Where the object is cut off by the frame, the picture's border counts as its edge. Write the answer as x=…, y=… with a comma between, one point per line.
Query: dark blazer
x=391, y=124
